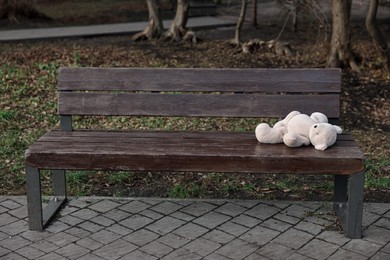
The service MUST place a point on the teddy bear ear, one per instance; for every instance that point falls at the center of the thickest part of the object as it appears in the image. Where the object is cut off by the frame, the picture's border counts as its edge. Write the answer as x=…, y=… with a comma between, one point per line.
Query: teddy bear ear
x=338, y=129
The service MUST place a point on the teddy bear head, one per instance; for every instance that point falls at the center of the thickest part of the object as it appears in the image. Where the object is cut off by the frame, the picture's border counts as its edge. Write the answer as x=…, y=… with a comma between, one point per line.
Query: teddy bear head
x=323, y=135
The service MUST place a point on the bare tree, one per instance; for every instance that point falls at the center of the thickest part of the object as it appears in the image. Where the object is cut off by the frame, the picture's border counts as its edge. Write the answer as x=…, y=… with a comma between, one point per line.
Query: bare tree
x=375, y=32
x=237, y=36
x=14, y=10
x=155, y=25
x=177, y=29
x=340, y=51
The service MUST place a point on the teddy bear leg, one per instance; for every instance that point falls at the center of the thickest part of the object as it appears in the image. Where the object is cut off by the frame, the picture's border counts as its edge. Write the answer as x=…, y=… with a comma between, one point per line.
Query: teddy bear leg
x=268, y=135
x=294, y=140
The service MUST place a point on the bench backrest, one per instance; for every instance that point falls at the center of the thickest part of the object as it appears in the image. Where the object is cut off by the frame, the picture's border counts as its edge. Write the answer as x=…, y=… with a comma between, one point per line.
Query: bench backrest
x=196, y=92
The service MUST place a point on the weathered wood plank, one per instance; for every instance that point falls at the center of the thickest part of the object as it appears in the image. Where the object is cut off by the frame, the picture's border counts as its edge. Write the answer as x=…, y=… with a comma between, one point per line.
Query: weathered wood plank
x=199, y=79
x=180, y=154
x=226, y=105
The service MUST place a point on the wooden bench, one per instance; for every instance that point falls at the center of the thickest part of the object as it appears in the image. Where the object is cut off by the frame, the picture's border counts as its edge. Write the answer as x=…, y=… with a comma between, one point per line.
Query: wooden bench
x=261, y=93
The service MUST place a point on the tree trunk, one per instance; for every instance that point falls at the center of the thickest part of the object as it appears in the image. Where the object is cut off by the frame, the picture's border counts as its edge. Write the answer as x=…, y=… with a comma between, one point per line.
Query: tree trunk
x=375, y=32
x=241, y=18
x=13, y=10
x=254, y=13
x=341, y=52
x=179, y=23
x=155, y=25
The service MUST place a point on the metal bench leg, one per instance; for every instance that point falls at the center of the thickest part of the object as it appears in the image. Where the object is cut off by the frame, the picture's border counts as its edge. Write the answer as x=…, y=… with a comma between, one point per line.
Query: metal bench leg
x=38, y=219
x=348, y=203
x=34, y=202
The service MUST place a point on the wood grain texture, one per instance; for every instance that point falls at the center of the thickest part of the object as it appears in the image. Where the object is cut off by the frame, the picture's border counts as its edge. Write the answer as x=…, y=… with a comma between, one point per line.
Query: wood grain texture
x=221, y=105
x=188, y=151
x=200, y=79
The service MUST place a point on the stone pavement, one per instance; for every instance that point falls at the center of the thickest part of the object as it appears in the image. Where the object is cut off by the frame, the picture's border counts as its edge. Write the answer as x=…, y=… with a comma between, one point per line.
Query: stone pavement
x=149, y=228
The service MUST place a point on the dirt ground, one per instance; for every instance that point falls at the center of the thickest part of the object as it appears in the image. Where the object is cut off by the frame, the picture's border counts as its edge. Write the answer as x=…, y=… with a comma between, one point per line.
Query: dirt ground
x=365, y=105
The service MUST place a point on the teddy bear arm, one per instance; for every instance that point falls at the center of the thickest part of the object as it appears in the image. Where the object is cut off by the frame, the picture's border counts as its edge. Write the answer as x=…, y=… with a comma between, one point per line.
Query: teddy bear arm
x=295, y=140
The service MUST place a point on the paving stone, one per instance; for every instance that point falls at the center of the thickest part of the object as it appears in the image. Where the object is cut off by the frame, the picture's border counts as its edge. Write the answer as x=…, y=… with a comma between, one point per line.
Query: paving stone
x=276, y=224
x=233, y=229
x=198, y=208
x=293, y=238
x=259, y=235
x=342, y=254
x=237, y=249
x=377, y=235
x=14, y=256
x=14, y=243
x=105, y=236
x=136, y=222
x=68, y=210
x=386, y=248
x=255, y=256
x=3, y=210
x=334, y=237
x=383, y=222
x=104, y=206
x=57, y=227
x=297, y=211
x=287, y=219
x=117, y=214
x=182, y=216
x=78, y=203
x=71, y=220
x=369, y=218
x=6, y=219
x=190, y=231
x=52, y=256
x=19, y=213
x=115, y=250
x=141, y=237
x=103, y=221
x=30, y=252
x=297, y=256
x=90, y=226
x=156, y=249
x=165, y=225
x=120, y=230
x=230, y=209
x=3, y=251
x=78, y=232
x=181, y=253
x=380, y=256
x=377, y=208
x=246, y=220
x=275, y=251
x=62, y=239
x=15, y=228
x=134, y=207
x=246, y=203
x=362, y=247
x=211, y=219
x=309, y=227
x=84, y=214
x=90, y=256
x=44, y=246
x=318, y=249
x=151, y=214
x=219, y=236
x=138, y=255
x=89, y=243
x=72, y=251
x=166, y=207
x=10, y=204
x=3, y=236
x=215, y=256
x=262, y=211
x=173, y=240
x=202, y=247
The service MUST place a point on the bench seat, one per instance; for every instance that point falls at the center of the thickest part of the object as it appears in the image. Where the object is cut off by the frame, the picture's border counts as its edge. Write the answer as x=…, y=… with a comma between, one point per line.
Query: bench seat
x=188, y=151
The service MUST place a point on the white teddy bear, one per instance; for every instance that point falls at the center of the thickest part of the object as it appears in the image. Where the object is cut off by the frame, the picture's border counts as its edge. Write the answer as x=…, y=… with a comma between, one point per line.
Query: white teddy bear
x=299, y=129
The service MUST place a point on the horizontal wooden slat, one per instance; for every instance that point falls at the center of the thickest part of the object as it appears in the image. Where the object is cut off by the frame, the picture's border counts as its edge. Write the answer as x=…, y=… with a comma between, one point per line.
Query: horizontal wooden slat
x=200, y=79
x=224, y=105
x=216, y=152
